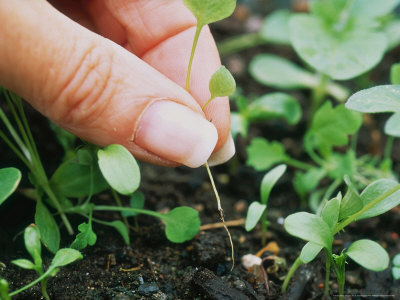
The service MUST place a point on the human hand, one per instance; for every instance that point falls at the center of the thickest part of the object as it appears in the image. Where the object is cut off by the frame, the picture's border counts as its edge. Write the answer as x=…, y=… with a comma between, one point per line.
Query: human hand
x=120, y=79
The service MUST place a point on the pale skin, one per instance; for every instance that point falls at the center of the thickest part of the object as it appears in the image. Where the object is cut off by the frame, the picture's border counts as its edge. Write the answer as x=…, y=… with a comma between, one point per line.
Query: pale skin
x=113, y=72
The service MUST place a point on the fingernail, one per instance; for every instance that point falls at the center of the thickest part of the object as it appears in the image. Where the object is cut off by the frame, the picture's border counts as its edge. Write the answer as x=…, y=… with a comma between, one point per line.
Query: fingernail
x=174, y=132
x=224, y=154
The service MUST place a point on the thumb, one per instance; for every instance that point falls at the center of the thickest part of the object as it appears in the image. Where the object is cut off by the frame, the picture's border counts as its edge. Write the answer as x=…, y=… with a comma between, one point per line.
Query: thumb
x=97, y=90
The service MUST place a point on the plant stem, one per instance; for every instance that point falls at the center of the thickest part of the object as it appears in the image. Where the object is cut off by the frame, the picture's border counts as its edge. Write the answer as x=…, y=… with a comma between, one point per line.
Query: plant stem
x=240, y=42
x=40, y=278
x=128, y=209
x=196, y=39
x=208, y=101
x=221, y=212
x=43, y=285
x=297, y=263
x=118, y=200
x=388, y=147
x=328, y=272
x=264, y=225
x=298, y=164
x=354, y=217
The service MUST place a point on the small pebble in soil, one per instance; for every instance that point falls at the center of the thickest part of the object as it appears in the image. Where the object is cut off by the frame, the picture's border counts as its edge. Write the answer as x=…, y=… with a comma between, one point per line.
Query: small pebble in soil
x=148, y=288
x=240, y=285
x=250, y=260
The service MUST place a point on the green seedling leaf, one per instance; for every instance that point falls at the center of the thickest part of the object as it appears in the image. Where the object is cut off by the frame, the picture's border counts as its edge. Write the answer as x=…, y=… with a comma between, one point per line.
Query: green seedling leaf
x=73, y=179
x=49, y=231
x=309, y=252
x=392, y=31
x=263, y=154
x=329, y=11
x=395, y=74
x=369, y=255
x=222, y=83
x=340, y=55
x=119, y=168
x=309, y=227
x=32, y=244
x=121, y=228
x=375, y=190
x=330, y=213
x=254, y=213
x=65, y=139
x=209, y=11
x=239, y=124
x=136, y=201
x=4, y=289
x=181, y=224
x=338, y=165
x=275, y=106
x=85, y=237
x=277, y=72
x=396, y=267
x=64, y=257
x=275, y=28
x=392, y=125
x=308, y=181
x=84, y=157
x=9, y=180
x=331, y=126
x=351, y=202
x=373, y=8
x=269, y=181
x=315, y=200
x=24, y=264
x=396, y=260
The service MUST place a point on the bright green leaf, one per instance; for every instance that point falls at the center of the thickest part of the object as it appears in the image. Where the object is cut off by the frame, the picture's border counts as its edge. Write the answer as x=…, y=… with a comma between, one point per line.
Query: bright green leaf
x=121, y=228
x=278, y=72
x=338, y=165
x=377, y=189
x=275, y=28
x=309, y=227
x=395, y=74
x=341, y=55
x=222, y=83
x=119, y=168
x=373, y=8
x=396, y=273
x=263, y=154
x=239, y=124
x=331, y=126
x=181, y=224
x=351, y=202
x=392, y=125
x=209, y=11
x=49, y=231
x=84, y=238
x=392, y=31
x=24, y=264
x=309, y=252
x=269, y=180
x=84, y=157
x=64, y=257
x=32, y=243
x=9, y=180
x=254, y=213
x=136, y=201
x=396, y=260
x=273, y=106
x=369, y=255
x=4, y=285
x=330, y=212
x=308, y=181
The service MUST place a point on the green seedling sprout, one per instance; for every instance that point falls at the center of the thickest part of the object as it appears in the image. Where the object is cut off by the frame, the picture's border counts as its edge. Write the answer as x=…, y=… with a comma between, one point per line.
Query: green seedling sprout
x=221, y=83
x=258, y=210
x=62, y=258
x=9, y=180
x=319, y=230
x=4, y=289
x=396, y=267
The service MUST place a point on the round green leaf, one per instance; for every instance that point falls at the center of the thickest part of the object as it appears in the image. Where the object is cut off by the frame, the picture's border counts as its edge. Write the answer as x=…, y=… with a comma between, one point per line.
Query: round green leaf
x=396, y=260
x=9, y=180
x=309, y=252
x=396, y=273
x=275, y=28
x=273, y=106
x=309, y=227
x=263, y=154
x=222, y=83
x=277, y=72
x=269, y=180
x=254, y=213
x=392, y=125
x=64, y=257
x=181, y=224
x=369, y=255
x=209, y=11
x=341, y=55
x=119, y=168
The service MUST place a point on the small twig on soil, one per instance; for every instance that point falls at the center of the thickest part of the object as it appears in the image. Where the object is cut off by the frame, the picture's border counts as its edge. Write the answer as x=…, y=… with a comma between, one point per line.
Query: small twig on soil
x=151, y=269
x=265, y=273
x=131, y=269
x=232, y=223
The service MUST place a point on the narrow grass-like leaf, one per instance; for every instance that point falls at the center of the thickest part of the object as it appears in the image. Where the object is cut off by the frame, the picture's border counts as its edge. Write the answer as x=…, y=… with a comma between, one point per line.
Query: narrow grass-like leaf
x=309, y=252
x=254, y=213
x=32, y=243
x=181, y=224
x=309, y=227
x=209, y=11
x=263, y=154
x=121, y=228
x=119, y=168
x=351, y=202
x=9, y=180
x=49, y=231
x=24, y=264
x=269, y=180
x=369, y=255
x=330, y=212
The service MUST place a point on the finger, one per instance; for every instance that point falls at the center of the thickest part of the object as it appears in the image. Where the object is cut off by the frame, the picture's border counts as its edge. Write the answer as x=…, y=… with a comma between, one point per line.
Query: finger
x=161, y=32
x=98, y=90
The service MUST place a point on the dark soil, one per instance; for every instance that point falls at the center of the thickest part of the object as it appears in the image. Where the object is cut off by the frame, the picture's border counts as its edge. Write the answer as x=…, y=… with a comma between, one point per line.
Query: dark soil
x=151, y=267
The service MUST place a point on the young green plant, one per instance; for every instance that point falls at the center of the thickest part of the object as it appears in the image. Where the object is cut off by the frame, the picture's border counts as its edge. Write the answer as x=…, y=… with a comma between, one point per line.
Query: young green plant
x=396, y=267
x=258, y=210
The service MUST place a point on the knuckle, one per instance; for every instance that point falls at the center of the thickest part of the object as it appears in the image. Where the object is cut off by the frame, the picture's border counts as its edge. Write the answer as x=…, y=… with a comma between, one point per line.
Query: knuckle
x=87, y=89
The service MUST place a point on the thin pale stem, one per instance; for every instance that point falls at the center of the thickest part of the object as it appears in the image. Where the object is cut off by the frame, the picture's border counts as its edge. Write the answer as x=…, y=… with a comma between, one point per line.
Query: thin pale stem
x=298, y=164
x=297, y=263
x=208, y=101
x=240, y=42
x=388, y=147
x=37, y=280
x=264, y=225
x=43, y=285
x=196, y=39
x=128, y=209
x=118, y=201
